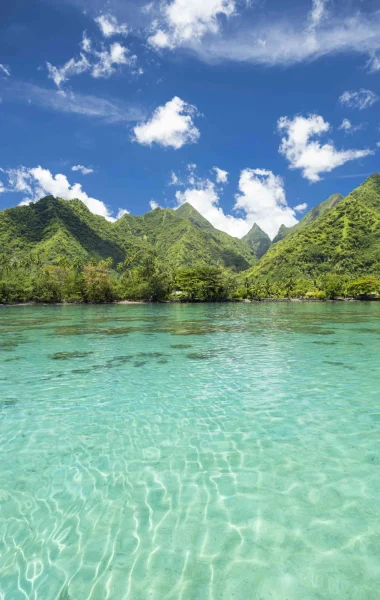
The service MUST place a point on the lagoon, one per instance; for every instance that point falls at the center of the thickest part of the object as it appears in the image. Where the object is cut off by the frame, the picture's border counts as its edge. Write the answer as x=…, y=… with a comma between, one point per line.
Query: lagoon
x=192, y=452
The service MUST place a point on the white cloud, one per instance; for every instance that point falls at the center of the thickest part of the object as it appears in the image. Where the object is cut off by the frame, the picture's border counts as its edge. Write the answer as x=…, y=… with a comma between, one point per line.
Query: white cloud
x=284, y=40
x=5, y=69
x=121, y=213
x=171, y=125
x=109, y=26
x=300, y=207
x=86, y=43
x=160, y=40
x=261, y=199
x=82, y=169
x=183, y=21
x=373, y=64
x=116, y=55
x=153, y=205
x=204, y=198
x=72, y=67
x=109, y=111
x=99, y=63
x=317, y=14
x=309, y=155
x=346, y=125
x=174, y=179
x=378, y=144
x=361, y=99
x=147, y=8
x=221, y=176
x=38, y=182
x=2, y=188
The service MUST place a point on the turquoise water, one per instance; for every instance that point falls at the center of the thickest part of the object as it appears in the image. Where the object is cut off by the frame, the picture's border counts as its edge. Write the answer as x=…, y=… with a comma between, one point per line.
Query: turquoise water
x=195, y=452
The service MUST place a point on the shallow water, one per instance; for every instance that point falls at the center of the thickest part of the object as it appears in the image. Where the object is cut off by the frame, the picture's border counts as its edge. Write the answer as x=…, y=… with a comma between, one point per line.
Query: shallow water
x=195, y=452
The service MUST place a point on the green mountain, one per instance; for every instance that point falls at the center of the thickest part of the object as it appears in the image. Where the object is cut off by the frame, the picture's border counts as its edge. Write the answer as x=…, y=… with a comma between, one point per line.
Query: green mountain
x=55, y=228
x=316, y=212
x=257, y=240
x=344, y=239
x=186, y=211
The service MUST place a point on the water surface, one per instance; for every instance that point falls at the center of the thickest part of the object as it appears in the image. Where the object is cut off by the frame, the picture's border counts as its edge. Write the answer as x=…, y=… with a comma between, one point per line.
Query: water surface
x=195, y=452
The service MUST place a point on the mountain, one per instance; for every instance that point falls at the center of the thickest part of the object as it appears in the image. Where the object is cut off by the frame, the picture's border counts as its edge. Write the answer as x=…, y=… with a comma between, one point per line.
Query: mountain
x=183, y=237
x=56, y=228
x=343, y=239
x=316, y=212
x=187, y=211
x=257, y=240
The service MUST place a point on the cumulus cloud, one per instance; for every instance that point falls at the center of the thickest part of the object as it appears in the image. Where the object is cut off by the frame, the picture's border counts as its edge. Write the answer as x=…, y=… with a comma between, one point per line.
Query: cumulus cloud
x=184, y=21
x=109, y=60
x=360, y=99
x=38, y=182
x=308, y=154
x=221, y=176
x=82, y=169
x=109, y=26
x=171, y=125
x=153, y=205
x=300, y=207
x=121, y=213
x=5, y=69
x=261, y=199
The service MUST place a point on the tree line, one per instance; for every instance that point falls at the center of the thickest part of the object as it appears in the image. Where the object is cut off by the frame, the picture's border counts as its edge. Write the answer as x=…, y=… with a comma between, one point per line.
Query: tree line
x=144, y=277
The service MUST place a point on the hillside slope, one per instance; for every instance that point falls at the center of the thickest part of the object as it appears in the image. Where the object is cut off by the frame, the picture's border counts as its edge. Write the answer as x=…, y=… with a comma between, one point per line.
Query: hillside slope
x=344, y=240
x=54, y=228
x=316, y=212
x=184, y=238
x=257, y=240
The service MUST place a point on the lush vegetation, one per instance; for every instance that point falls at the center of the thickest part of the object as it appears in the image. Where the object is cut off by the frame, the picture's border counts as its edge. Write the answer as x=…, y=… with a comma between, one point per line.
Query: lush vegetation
x=147, y=278
x=53, y=228
x=343, y=241
x=258, y=240
x=316, y=212
x=57, y=251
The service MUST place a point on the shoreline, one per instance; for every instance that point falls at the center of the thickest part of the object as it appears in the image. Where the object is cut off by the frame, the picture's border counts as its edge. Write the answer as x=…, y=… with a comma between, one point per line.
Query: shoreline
x=147, y=302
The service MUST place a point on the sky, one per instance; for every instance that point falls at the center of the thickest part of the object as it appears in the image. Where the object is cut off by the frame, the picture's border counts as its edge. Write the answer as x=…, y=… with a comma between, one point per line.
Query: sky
x=254, y=111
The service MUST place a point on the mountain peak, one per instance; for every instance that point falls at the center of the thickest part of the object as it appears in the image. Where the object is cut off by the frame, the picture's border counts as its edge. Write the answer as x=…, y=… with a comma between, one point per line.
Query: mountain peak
x=187, y=211
x=257, y=240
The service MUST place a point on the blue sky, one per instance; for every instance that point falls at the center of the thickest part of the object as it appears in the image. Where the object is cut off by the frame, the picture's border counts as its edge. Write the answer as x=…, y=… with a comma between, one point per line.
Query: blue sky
x=246, y=109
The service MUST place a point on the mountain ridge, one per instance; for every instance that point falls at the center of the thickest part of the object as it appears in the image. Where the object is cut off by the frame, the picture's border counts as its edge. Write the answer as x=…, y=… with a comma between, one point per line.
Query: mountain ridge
x=344, y=240
x=80, y=234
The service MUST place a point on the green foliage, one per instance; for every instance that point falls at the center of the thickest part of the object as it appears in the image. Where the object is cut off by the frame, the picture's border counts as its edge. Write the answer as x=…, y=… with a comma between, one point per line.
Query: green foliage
x=316, y=212
x=364, y=287
x=58, y=251
x=258, y=241
x=53, y=228
x=345, y=240
x=97, y=282
x=205, y=283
